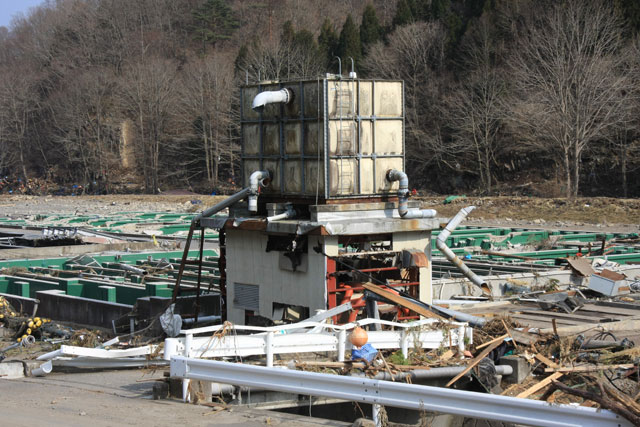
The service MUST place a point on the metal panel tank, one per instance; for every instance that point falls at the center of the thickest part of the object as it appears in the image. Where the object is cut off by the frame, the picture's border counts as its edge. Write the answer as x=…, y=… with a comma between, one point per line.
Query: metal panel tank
x=332, y=138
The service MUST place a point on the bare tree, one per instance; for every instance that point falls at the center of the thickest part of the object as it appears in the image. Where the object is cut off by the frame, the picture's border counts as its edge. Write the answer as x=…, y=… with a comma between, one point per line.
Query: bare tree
x=148, y=96
x=208, y=89
x=83, y=132
x=476, y=108
x=416, y=54
x=569, y=80
x=19, y=102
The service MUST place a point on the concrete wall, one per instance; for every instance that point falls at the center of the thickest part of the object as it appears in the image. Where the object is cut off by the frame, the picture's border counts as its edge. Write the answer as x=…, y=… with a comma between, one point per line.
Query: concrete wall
x=85, y=311
x=249, y=263
x=420, y=240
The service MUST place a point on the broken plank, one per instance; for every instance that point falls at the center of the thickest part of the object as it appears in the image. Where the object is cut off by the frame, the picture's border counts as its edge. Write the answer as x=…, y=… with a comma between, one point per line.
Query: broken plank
x=475, y=361
x=546, y=360
x=617, y=311
x=500, y=338
x=573, y=316
x=523, y=337
x=590, y=368
x=536, y=320
x=539, y=386
x=404, y=302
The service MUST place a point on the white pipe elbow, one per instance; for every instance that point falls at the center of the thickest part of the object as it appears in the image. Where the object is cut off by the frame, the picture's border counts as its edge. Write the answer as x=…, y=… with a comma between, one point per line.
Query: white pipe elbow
x=287, y=214
x=403, y=191
x=256, y=180
x=271, y=97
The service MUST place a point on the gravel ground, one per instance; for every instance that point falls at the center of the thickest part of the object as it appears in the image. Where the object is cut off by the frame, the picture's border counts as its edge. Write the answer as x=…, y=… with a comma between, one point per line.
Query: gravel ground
x=593, y=214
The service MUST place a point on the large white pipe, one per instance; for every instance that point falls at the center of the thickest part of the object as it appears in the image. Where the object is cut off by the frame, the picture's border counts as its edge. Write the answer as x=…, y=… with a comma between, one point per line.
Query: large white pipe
x=403, y=197
x=453, y=258
x=256, y=180
x=271, y=97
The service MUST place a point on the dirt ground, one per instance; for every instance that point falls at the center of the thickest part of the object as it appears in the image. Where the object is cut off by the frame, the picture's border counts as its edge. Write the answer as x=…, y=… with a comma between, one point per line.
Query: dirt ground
x=581, y=213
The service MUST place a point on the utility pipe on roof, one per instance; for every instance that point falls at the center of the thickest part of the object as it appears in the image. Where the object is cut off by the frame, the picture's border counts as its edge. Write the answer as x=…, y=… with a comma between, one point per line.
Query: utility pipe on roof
x=448, y=253
x=256, y=180
x=223, y=204
x=271, y=97
x=288, y=213
x=403, y=197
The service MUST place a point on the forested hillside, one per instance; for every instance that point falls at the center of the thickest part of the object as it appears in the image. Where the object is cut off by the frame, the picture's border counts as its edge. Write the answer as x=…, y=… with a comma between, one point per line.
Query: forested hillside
x=503, y=96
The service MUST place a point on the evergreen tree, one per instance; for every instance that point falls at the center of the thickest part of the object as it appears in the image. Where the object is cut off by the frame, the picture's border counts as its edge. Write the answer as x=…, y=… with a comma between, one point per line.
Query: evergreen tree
x=288, y=32
x=214, y=21
x=370, y=29
x=404, y=14
x=328, y=41
x=349, y=43
x=241, y=58
x=304, y=40
x=629, y=10
x=439, y=9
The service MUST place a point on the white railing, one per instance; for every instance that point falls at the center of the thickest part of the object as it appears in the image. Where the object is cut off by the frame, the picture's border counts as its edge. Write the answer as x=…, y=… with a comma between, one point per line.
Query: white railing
x=224, y=340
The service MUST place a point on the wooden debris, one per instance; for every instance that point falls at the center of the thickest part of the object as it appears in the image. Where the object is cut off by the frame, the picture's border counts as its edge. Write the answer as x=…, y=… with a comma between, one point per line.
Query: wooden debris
x=446, y=355
x=475, y=361
x=500, y=338
x=523, y=337
x=608, y=399
x=539, y=386
x=509, y=333
x=401, y=301
x=589, y=368
x=550, y=363
x=581, y=266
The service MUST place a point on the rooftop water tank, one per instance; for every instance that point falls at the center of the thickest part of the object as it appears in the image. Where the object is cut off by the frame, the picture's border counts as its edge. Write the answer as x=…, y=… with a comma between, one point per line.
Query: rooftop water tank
x=323, y=139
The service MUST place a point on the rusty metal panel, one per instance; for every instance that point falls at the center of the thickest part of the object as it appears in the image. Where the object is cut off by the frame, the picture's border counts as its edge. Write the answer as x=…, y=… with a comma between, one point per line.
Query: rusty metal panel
x=388, y=136
x=248, y=93
x=388, y=99
x=344, y=177
x=293, y=176
x=293, y=139
x=382, y=166
x=365, y=98
x=342, y=138
x=342, y=99
x=251, y=138
x=312, y=99
x=313, y=139
x=273, y=166
x=271, y=139
x=314, y=177
x=366, y=137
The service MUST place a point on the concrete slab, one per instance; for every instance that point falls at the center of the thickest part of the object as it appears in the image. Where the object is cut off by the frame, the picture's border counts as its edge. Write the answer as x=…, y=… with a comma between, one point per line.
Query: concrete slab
x=121, y=398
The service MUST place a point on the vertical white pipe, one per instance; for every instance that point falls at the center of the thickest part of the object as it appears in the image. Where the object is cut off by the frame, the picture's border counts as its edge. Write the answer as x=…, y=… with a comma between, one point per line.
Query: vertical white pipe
x=404, y=343
x=342, y=344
